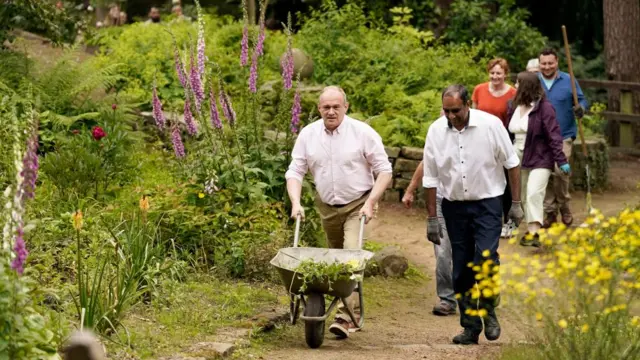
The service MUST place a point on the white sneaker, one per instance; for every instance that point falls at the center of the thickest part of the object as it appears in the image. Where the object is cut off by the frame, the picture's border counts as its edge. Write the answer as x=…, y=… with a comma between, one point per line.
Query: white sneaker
x=507, y=229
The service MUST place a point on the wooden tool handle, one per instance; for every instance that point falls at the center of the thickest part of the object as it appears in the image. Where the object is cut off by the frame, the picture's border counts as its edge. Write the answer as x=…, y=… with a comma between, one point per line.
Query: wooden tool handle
x=574, y=91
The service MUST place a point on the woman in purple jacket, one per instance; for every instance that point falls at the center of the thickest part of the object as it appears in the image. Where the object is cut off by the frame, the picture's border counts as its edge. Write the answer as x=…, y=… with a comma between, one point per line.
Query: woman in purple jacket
x=531, y=120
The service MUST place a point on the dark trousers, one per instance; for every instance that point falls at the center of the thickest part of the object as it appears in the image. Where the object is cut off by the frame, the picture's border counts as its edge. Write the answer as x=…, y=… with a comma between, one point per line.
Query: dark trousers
x=506, y=198
x=473, y=226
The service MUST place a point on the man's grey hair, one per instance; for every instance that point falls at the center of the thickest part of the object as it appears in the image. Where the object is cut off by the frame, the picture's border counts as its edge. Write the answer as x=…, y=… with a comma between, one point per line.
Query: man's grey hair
x=456, y=89
x=533, y=63
x=337, y=88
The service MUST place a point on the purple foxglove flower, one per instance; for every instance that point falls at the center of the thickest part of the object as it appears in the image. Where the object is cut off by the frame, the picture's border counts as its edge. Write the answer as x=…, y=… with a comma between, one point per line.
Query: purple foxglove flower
x=180, y=68
x=20, y=251
x=296, y=109
x=178, y=146
x=244, y=55
x=188, y=118
x=158, y=115
x=215, y=117
x=287, y=70
x=201, y=45
x=253, y=75
x=30, y=167
x=261, y=36
x=196, y=85
x=227, y=108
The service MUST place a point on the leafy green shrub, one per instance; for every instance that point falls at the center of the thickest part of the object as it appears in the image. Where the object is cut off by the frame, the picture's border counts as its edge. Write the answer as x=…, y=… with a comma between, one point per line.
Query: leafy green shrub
x=147, y=54
x=86, y=164
x=404, y=91
x=503, y=34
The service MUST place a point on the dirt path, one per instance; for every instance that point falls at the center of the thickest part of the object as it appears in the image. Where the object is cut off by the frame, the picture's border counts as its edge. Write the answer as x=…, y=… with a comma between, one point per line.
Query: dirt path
x=399, y=323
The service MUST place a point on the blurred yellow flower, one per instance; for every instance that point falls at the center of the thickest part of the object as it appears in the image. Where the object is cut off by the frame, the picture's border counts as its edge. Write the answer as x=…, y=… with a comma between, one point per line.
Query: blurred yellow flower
x=201, y=195
x=563, y=323
x=584, y=328
x=77, y=220
x=144, y=203
x=538, y=316
x=486, y=253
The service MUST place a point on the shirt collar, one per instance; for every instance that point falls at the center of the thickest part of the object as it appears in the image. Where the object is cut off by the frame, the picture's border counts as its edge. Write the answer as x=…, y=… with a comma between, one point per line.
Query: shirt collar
x=473, y=122
x=340, y=127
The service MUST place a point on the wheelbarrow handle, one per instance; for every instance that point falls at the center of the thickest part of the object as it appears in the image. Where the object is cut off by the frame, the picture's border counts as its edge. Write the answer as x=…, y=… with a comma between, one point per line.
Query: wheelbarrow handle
x=361, y=234
x=296, y=236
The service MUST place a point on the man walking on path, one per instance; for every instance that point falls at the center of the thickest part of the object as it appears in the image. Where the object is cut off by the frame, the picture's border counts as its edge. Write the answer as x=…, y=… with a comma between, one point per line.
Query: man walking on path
x=557, y=86
x=464, y=156
x=350, y=169
x=444, y=267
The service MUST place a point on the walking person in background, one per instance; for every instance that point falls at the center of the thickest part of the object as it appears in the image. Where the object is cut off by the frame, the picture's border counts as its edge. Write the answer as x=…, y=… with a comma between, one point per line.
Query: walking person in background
x=351, y=171
x=533, y=65
x=444, y=263
x=557, y=87
x=444, y=267
x=493, y=97
x=538, y=143
x=465, y=154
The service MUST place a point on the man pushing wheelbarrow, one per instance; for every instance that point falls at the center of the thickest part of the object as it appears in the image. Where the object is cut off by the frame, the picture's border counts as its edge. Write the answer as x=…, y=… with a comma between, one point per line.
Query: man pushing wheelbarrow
x=351, y=171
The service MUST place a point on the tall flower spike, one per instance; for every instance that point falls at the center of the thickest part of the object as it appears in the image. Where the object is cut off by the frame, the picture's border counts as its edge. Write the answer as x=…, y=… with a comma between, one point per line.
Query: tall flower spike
x=253, y=74
x=244, y=44
x=179, y=68
x=227, y=107
x=20, y=251
x=30, y=166
x=176, y=139
x=296, y=110
x=188, y=118
x=158, y=115
x=215, y=116
x=201, y=45
x=196, y=85
x=262, y=33
x=287, y=61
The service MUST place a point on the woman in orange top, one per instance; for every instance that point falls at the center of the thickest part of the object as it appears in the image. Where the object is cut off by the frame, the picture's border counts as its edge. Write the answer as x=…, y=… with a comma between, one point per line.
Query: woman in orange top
x=493, y=97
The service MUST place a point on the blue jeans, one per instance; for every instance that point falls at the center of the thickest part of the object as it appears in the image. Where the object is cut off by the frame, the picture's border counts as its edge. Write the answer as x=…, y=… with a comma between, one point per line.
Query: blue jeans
x=473, y=227
x=444, y=262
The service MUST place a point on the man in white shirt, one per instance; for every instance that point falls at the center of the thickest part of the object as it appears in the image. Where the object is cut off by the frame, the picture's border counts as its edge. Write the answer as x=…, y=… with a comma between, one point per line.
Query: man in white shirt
x=351, y=171
x=464, y=155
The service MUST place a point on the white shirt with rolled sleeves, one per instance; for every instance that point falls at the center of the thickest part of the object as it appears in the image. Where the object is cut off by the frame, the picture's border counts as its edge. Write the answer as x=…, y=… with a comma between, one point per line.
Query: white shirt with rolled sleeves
x=343, y=162
x=468, y=164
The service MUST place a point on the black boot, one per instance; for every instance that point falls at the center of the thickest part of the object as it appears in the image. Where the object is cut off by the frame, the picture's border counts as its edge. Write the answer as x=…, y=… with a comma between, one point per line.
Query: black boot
x=491, y=326
x=467, y=337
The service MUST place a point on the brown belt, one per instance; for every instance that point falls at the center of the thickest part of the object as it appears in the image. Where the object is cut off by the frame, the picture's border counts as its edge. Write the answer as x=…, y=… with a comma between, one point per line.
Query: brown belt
x=343, y=205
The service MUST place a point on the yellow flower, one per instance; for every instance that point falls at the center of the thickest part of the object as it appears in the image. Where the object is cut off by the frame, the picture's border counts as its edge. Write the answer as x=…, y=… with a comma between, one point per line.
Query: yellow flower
x=635, y=321
x=486, y=253
x=201, y=195
x=482, y=312
x=539, y=316
x=487, y=293
x=584, y=328
x=563, y=323
x=144, y=203
x=77, y=220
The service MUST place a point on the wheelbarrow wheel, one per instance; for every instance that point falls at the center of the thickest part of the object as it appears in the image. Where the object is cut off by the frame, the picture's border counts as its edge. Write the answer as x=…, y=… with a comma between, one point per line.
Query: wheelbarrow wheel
x=294, y=309
x=314, y=330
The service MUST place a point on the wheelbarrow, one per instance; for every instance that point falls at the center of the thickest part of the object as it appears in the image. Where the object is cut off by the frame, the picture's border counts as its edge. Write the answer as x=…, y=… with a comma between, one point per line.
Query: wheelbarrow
x=313, y=296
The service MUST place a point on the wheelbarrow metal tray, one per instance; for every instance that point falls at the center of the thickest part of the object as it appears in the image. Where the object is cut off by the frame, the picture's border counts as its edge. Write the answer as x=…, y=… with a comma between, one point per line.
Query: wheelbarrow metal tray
x=288, y=259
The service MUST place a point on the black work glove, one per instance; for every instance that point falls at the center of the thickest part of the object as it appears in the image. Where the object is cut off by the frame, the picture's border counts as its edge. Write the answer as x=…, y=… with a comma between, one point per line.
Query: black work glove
x=578, y=111
x=434, y=230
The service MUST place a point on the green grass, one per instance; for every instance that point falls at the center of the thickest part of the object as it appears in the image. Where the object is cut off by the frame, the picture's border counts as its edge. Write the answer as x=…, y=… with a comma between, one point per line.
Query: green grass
x=191, y=312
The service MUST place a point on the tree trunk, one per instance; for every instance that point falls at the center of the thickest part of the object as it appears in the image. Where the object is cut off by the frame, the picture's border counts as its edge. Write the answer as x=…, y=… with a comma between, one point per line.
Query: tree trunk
x=622, y=53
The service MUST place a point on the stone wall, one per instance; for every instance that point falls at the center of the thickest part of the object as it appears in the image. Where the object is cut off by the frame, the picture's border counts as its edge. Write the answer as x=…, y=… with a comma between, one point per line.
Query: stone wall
x=405, y=160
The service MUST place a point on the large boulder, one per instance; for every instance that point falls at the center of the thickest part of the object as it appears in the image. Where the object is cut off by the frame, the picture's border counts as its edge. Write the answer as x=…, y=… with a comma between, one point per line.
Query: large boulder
x=302, y=63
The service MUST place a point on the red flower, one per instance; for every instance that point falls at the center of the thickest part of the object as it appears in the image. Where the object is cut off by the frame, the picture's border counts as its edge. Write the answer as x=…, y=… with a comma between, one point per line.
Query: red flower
x=98, y=133
x=114, y=106
x=75, y=132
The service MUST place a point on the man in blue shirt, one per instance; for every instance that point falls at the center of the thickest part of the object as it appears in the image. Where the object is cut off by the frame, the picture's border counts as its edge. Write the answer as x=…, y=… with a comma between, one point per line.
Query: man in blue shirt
x=557, y=87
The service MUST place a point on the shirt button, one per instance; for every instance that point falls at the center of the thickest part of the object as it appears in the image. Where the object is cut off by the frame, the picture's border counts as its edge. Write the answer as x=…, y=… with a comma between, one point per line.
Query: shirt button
x=460, y=147
x=465, y=190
